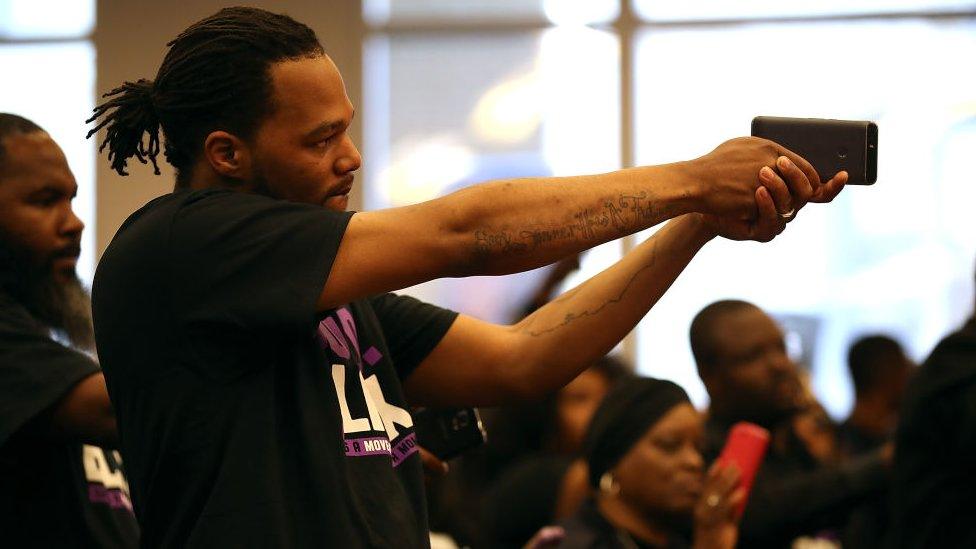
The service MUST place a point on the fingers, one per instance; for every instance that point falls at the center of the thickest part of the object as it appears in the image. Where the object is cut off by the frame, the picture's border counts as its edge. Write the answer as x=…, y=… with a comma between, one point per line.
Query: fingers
x=798, y=180
x=722, y=479
x=768, y=224
x=433, y=467
x=736, y=502
x=721, y=496
x=831, y=189
x=812, y=176
x=780, y=192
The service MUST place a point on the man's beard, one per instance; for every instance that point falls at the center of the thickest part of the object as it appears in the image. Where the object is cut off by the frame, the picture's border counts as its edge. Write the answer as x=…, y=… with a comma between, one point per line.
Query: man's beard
x=61, y=304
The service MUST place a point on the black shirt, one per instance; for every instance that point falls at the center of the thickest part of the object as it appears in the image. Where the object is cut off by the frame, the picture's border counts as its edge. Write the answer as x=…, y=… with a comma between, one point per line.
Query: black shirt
x=246, y=418
x=52, y=493
x=854, y=441
x=589, y=529
x=932, y=492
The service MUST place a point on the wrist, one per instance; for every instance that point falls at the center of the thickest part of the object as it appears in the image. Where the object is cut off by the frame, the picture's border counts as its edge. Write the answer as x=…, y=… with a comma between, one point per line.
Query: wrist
x=700, y=226
x=675, y=188
x=687, y=180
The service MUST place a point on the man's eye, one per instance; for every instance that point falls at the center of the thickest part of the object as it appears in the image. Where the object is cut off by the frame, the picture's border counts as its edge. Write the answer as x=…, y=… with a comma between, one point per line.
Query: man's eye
x=44, y=200
x=668, y=445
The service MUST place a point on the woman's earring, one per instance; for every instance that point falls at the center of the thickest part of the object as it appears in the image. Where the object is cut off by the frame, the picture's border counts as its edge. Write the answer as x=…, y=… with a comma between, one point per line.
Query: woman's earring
x=609, y=485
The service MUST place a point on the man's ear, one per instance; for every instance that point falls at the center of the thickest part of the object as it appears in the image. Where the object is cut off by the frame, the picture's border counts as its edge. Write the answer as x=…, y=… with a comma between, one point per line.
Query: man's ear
x=228, y=155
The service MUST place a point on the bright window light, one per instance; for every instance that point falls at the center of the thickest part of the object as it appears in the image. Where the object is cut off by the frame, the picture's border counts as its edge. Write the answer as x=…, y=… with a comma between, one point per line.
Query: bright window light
x=710, y=10
x=46, y=18
x=445, y=111
x=896, y=257
x=55, y=87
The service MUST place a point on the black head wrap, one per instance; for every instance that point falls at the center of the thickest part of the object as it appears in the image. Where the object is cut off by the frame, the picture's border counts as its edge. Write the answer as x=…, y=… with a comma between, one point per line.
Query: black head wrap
x=626, y=413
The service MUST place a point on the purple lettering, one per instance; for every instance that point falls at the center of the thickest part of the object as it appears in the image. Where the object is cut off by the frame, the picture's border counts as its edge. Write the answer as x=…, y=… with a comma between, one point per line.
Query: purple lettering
x=333, y=335
x=349, y=327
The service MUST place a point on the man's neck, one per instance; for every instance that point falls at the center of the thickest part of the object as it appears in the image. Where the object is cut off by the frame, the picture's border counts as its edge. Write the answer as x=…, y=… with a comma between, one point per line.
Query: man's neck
x=204, y=177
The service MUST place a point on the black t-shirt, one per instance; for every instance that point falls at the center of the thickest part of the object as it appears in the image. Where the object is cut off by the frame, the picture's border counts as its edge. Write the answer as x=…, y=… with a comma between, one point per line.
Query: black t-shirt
x=52, y=493
x=589, y=529
x=932, y=502
x=247, y=419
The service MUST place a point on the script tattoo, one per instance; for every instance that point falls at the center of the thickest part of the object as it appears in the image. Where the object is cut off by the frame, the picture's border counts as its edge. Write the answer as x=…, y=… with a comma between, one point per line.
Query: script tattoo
x=487, y=241
x=624, y=214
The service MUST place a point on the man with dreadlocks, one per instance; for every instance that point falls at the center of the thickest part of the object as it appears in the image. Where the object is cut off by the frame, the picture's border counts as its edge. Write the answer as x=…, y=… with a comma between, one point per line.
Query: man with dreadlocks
x=58, y=487
x=262, y=374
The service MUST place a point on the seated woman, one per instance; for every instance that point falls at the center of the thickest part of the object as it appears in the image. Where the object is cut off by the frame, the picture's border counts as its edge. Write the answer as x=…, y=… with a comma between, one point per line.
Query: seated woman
x=643, y=448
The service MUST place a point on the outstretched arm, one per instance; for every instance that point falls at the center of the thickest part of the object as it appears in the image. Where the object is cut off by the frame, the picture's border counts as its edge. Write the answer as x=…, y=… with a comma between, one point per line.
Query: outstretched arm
x=478, y=363
x=515, y=225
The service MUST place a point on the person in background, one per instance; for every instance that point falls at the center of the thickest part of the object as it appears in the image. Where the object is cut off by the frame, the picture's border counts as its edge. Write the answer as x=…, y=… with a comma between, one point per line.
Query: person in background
x=813, y=426
x=934, y=479
x=651, y=489
x=880, y=372
x=741, y=357
x=550, y=484
x=61, y=482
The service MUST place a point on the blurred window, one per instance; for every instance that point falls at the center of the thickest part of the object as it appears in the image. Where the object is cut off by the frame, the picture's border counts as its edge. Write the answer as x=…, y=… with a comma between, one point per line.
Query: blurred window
x=47, y=60
x=445, y=110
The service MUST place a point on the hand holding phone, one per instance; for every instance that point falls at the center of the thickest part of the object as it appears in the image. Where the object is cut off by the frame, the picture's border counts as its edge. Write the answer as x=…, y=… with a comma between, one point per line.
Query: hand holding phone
x=745, y=448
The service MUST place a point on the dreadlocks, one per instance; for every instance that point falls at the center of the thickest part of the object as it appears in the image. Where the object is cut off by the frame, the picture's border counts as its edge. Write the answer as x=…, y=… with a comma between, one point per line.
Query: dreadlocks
x=214, y=77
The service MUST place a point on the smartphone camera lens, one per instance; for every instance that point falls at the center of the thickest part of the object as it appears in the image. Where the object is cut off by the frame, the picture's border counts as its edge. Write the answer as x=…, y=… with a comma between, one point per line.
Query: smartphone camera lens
x=842, y=152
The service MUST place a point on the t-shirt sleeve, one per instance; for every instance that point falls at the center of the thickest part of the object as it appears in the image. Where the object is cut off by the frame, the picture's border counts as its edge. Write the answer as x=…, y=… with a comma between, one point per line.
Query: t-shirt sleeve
x=411, y=328
x=251, y=262
x=35, y=370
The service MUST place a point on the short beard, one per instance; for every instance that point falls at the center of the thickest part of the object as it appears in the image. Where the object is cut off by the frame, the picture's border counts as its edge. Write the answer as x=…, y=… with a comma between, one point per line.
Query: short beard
x=64, y=307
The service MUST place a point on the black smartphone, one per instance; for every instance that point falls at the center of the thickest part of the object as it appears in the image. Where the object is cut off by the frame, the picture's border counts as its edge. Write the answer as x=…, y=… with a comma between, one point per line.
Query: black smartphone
x=829, y=145
x=449, y=432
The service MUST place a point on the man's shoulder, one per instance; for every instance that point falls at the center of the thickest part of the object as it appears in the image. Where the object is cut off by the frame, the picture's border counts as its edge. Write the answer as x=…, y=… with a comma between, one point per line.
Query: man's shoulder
x=951, y=365
x=170, y=204
x=153, y=220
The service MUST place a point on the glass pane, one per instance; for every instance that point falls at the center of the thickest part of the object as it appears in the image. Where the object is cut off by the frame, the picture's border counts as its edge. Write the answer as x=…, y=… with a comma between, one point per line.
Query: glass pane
x=40, y=93
x=896, y=257
x=46, y=18
x=381, y=12
x=706, y=10
x=443, y=112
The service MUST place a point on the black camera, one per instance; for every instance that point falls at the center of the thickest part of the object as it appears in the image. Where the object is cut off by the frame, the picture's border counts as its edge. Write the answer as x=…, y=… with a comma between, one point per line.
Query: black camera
x=449, y=432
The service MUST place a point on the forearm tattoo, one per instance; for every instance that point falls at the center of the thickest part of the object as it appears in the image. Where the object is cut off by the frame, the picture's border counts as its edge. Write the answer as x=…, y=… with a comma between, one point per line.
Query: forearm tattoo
x=623, y=215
